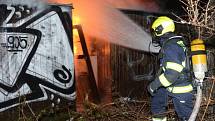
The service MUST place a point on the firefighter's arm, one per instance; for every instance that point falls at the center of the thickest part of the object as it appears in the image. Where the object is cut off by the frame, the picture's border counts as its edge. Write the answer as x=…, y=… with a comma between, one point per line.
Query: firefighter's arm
x=172, y=67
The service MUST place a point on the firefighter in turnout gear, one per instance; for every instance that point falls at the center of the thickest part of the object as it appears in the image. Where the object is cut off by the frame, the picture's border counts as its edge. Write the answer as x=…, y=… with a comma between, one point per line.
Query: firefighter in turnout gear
x=173, y=78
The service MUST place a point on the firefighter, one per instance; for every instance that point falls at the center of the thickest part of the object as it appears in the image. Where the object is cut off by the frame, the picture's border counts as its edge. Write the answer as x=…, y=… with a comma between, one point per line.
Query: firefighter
x=173, y=80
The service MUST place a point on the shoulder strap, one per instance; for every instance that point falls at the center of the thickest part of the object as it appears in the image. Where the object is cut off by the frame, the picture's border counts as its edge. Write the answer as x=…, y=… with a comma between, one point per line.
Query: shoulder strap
x=173, y=37
x=179, y=42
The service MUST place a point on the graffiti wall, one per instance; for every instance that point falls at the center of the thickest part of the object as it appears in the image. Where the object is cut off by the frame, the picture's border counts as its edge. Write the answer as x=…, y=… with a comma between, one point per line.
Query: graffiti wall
x=36, y=55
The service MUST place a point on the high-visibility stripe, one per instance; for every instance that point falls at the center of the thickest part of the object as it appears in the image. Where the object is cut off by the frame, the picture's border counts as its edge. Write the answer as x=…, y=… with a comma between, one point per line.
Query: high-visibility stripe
x=164, y=81
x=181, y=89
x=174, y=66
x=163, y=69
x=184, y=63
x=181, y=43
x=159, y=119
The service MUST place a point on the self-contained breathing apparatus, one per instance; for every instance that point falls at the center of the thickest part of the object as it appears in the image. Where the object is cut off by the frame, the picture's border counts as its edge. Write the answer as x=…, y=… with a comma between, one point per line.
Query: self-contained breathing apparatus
x=195, y=62
x=199, y=60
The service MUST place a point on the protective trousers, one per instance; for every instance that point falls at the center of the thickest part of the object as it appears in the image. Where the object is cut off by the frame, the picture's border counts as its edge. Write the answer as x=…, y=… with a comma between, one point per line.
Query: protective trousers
x=182, y=103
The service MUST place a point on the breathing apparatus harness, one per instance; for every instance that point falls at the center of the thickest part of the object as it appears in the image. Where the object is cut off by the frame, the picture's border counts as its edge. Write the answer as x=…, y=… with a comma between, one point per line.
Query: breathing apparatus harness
x=162, y=33
x=195, y=58
x=182, y=43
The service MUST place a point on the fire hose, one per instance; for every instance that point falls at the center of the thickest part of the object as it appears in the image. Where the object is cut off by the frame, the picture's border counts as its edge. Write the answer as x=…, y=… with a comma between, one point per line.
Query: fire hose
x=197, y=104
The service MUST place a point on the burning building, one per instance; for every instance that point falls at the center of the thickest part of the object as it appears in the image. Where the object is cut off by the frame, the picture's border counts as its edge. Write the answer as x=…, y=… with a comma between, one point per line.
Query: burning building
x=61, y=54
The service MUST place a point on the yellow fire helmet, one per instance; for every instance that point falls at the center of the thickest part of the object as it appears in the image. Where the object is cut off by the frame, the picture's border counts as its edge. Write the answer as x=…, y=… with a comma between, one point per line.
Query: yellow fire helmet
x=162, y=25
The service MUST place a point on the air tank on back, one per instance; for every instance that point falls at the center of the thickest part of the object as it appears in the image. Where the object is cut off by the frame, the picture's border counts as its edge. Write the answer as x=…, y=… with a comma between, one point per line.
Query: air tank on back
x=199, y=59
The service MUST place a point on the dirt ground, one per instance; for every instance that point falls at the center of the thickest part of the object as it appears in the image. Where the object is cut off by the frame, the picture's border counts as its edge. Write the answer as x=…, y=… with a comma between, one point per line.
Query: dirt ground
x=132, y=110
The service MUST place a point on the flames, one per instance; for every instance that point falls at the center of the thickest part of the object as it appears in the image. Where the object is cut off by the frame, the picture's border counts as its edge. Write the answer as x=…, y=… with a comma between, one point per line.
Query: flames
x=101, y=19
x=76, y=40
x=76, y=21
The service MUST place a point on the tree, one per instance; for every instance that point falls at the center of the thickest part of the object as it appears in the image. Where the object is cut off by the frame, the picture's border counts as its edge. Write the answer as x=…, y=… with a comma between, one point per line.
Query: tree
x=201, y=15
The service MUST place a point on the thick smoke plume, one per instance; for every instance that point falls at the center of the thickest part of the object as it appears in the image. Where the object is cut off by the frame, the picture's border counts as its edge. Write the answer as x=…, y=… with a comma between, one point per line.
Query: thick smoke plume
x=145, y=5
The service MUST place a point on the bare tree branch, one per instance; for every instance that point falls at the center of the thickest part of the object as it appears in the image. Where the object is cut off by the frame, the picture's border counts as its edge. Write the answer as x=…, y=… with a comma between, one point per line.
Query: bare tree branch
x=201, y=15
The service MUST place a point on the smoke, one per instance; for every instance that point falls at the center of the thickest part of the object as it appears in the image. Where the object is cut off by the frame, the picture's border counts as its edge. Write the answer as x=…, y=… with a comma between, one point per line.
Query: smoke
x=102, y=20
x=30, y=3
x=146, y=5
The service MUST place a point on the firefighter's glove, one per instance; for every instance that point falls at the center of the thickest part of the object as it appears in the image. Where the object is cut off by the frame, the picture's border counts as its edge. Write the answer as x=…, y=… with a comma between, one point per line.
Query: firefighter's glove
x=153, y=86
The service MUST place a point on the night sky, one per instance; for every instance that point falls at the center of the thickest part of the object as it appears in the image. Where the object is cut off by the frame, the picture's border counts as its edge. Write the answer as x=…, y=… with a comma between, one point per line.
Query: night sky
x=174, y=6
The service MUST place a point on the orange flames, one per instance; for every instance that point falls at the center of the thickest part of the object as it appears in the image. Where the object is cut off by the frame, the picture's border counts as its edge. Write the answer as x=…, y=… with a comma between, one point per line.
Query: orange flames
x=76, y=21
x=100, y=19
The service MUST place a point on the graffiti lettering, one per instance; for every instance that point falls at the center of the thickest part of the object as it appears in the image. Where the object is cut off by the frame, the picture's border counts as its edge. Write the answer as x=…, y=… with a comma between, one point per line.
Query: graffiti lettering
x=13, y=13
x=61, y=76
x=16, y=43
x=12, y=9
x=43, y=43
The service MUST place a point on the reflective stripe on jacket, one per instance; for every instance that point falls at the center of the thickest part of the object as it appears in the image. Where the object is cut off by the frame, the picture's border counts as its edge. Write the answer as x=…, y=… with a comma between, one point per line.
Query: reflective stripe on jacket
x=159, y=119
x=173, y=64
